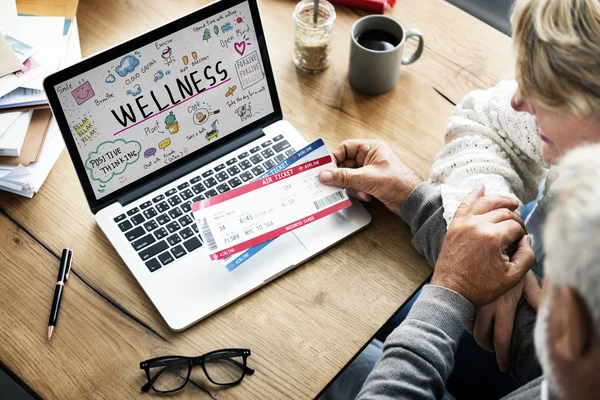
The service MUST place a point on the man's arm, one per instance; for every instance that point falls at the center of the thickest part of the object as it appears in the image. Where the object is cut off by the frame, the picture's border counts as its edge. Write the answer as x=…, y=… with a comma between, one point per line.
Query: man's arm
x=418, y=356
x=423, y=212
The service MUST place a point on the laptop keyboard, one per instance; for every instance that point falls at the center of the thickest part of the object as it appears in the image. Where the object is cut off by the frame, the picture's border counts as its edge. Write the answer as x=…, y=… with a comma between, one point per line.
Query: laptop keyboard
x=163, y=229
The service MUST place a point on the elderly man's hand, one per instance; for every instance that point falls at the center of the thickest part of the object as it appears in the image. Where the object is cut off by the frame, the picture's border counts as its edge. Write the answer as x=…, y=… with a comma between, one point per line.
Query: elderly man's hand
x=369, y=168
x=474, y=261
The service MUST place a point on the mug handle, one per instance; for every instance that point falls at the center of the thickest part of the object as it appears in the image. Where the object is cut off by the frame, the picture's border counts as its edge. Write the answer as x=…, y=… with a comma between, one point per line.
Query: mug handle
x=412, y=32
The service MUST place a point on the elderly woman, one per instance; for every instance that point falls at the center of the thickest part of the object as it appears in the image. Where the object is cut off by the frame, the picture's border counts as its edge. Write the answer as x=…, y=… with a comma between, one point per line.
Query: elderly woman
x=508, y=138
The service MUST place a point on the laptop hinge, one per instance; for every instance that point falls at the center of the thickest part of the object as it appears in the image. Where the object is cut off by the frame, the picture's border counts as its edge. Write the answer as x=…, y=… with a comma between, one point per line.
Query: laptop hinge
x=185, y=169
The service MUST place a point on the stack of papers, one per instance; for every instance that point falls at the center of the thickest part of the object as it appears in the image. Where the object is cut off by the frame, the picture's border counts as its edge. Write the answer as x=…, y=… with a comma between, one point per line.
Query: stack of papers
x=30, y=140
x=23, y=98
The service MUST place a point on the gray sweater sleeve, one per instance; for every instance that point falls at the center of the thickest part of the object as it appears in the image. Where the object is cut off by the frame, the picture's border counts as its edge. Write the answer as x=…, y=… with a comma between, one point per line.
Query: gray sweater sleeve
x=418, y=356
x=423, y=212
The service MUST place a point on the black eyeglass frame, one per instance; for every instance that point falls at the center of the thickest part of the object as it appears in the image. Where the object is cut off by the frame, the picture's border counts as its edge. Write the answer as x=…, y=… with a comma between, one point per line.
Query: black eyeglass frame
x=193, y=362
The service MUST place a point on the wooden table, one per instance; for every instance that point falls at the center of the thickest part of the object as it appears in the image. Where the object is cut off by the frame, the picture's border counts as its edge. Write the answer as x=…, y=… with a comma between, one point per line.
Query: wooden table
x=302, y=328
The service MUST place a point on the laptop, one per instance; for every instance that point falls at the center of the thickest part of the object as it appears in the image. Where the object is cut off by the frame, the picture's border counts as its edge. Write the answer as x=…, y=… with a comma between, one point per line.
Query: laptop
x=181, y=113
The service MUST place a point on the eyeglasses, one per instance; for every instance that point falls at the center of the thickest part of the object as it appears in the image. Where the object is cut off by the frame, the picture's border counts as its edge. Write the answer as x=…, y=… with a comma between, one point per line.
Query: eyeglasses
x=168, y=374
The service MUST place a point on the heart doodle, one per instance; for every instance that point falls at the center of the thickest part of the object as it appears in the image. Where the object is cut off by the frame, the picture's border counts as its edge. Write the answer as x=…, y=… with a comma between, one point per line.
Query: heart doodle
x=240, y=47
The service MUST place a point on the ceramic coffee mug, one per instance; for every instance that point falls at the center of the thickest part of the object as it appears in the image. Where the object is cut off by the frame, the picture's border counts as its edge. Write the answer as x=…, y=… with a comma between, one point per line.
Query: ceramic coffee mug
x=374, y=71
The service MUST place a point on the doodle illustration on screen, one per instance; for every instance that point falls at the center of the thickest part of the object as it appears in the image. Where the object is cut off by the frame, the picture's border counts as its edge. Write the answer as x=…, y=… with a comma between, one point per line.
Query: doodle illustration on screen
x=167, y=56
x=214, y=132
x=171, y=123
x=83, y=93
x=127, y=65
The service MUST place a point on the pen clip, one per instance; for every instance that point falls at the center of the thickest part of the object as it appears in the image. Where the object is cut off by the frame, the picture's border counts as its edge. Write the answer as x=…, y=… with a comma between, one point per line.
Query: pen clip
x=69, y=267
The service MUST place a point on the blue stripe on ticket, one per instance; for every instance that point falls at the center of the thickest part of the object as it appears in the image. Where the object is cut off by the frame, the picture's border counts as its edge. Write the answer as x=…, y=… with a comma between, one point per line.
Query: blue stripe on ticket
x=285, y=164
x=246, y=255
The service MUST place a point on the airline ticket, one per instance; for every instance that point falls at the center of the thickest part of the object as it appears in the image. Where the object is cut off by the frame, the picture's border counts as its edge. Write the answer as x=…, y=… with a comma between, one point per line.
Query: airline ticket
x=314, y=150
x=264, y=209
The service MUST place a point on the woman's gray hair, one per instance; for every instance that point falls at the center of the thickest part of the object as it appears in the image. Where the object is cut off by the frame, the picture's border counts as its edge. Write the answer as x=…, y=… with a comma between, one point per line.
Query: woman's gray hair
x=557, y=43
x=572, y=231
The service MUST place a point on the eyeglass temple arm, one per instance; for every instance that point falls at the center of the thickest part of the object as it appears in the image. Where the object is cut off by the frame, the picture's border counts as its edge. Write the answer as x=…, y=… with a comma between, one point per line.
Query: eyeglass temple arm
x=246, y=368
x=147, y=386
x=151, y=381
x=249, y=370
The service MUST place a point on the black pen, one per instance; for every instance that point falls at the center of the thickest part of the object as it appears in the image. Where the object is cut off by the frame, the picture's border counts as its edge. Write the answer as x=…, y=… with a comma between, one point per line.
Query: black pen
x=63, y=276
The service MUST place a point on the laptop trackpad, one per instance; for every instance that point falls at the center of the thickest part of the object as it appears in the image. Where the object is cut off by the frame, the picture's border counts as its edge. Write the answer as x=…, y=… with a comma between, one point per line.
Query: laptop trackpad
x=278, y=255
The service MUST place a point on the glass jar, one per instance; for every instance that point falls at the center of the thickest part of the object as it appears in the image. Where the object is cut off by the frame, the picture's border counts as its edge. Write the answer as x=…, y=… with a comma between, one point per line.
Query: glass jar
x=312, y=44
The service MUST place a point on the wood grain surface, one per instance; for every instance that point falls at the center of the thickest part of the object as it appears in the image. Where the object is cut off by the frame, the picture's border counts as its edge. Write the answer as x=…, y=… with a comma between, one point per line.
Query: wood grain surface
x=304, y=327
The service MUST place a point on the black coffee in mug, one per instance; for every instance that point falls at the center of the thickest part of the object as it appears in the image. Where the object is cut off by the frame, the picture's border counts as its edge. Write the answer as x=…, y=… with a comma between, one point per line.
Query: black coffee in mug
x=376, y=53
x=377, y=40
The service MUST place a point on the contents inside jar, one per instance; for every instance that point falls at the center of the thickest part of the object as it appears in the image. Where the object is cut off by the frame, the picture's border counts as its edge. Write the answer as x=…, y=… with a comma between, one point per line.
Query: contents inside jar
x=312, y=40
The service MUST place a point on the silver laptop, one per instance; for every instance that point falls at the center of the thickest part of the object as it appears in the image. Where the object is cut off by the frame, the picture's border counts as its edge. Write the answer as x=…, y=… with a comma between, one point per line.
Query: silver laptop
x=181, y=113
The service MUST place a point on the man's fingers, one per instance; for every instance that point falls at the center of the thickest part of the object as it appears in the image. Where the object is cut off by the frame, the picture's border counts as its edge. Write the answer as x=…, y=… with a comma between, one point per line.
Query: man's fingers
x=503, y=329
x=503, y=214
x=532, y=291
x=339, y=153
x=470, y=325
x=486, y=204
x=523, y=259
x=465, y=207
x=350, y=178
x=360, y=195
x=511, y=231
x=353, y=149
x=348, y=163
x=484, y=327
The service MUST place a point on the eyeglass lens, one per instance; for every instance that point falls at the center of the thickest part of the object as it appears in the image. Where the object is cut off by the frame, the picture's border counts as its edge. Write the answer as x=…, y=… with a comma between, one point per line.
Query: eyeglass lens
x=169, y=374
x=224, y=368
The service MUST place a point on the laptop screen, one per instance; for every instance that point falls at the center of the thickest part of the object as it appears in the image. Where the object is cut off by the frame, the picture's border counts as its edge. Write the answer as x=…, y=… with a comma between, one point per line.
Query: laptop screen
x=160, y=103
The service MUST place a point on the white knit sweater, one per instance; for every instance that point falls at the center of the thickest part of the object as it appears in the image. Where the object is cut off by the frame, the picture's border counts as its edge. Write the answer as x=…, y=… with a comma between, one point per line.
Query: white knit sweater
x=487, y=142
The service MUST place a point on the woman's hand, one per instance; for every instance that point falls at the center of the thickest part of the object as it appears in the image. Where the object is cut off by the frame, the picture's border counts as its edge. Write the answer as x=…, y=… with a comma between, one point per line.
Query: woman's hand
x=493, y=325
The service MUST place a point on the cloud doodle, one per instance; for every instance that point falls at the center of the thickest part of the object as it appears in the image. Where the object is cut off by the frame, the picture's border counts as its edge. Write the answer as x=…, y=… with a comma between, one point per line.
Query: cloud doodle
x=127, y=65
x=137, y=89
x=226, y=27
x=112, y=158
x=158, y=75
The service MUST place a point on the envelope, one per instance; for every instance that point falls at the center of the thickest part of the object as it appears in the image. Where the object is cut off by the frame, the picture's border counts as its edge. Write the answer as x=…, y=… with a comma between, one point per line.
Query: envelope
x=9, y=62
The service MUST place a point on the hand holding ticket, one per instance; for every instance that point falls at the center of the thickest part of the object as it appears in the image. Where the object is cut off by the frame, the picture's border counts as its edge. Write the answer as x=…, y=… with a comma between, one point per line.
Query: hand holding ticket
x=310, y=152
x=252, y=214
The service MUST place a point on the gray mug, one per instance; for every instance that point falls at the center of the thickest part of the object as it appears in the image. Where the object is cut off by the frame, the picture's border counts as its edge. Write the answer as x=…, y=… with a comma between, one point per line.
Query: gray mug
x=376, y=72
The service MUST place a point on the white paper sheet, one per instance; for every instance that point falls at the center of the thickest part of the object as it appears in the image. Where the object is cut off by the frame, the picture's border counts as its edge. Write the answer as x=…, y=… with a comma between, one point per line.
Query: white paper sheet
x=8, y=15
x=12, y=140
x=6, y=120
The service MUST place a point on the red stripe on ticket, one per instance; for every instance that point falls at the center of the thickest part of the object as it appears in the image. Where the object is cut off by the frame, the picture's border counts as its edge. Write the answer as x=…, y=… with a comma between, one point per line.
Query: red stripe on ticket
x=266, y=181
x=278, y=232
